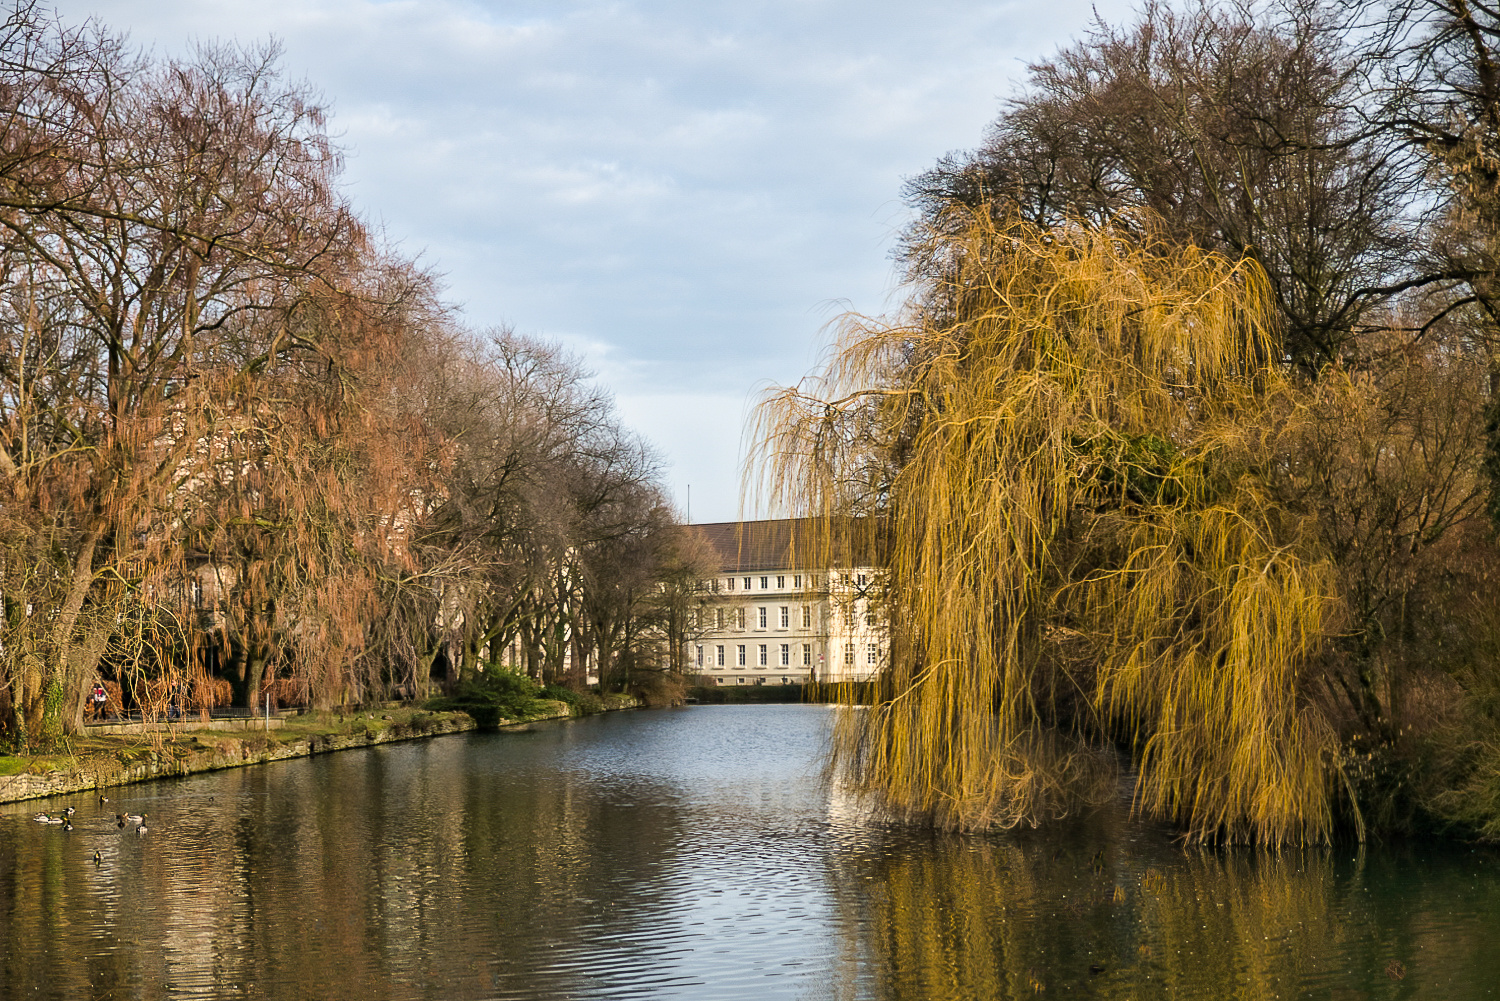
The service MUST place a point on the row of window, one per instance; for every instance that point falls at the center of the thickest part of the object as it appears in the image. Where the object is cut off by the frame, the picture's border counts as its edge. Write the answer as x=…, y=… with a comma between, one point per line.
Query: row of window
x=763, y=653
x=872, y=655
x=736, y=616
x=746, y=583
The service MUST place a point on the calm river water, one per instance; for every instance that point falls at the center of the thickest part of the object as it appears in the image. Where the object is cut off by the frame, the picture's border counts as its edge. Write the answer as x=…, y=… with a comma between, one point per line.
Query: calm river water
x=689, y=853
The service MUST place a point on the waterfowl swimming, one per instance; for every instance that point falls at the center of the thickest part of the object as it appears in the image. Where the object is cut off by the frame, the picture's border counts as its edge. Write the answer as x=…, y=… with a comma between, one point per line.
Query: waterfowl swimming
x=98, y=859
x=103, y=799
x=134, y=818
x=120, y=817
x=141, y=829
x=67, y=824
x=69, y=812
x=42, y=818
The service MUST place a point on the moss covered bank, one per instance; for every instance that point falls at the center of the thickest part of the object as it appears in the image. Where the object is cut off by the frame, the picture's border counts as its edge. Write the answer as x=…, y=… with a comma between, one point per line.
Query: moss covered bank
x=98, y=761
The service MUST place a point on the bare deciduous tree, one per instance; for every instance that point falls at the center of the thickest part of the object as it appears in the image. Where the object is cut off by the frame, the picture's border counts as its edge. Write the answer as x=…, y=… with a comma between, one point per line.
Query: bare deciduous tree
x=1232, y=128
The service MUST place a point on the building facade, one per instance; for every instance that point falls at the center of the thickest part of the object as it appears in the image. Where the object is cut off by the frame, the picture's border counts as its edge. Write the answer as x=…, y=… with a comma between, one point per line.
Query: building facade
x=770, y=618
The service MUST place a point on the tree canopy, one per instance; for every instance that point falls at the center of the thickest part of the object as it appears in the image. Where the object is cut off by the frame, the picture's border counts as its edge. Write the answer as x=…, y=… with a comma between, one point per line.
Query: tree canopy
x=1182, y=443
x=245, y=448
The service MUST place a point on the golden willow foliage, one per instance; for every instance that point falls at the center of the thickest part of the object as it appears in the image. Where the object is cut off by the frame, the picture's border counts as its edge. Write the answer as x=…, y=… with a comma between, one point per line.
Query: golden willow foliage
x=1060, y=450
x=1011, y=918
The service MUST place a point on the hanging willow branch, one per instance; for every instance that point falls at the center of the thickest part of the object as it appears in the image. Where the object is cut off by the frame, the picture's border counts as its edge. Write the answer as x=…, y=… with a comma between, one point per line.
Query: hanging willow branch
x=1059, y=457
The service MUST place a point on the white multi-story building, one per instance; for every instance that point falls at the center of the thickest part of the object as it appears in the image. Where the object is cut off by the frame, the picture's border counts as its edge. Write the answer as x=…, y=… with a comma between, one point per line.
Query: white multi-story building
x=769, y=618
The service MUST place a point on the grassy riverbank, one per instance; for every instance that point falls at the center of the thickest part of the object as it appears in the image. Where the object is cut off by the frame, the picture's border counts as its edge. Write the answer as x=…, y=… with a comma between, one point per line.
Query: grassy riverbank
x=91, y=761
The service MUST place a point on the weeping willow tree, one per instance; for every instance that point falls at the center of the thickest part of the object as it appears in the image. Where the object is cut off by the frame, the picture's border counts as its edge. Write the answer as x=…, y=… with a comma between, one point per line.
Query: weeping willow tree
x=1061, y=450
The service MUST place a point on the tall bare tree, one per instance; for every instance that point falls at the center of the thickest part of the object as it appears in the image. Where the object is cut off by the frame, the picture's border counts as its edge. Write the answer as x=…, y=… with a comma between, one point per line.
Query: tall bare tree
x=1235, y=128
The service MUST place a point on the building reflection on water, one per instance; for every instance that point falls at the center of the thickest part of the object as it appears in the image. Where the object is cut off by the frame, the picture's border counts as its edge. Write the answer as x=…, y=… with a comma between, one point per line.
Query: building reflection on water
x=693, y=854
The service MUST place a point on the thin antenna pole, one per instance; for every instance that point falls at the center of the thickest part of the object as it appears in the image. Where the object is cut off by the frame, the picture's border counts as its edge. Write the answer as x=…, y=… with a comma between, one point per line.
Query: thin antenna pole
x=690, y=504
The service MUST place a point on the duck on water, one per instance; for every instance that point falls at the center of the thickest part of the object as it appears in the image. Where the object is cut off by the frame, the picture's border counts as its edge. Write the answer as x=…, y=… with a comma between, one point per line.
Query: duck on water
x=60, y=818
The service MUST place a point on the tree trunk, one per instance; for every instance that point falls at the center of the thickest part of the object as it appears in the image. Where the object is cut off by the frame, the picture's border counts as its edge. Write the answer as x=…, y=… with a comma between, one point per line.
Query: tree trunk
x=53, y=694
x=83, y=665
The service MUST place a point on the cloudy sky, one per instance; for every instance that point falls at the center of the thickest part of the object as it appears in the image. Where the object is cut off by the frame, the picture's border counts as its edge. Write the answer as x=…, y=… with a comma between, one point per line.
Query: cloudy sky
x=684, y=192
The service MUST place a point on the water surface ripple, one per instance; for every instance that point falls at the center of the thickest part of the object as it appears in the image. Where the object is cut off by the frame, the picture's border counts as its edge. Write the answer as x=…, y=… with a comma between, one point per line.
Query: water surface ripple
x=690, y=853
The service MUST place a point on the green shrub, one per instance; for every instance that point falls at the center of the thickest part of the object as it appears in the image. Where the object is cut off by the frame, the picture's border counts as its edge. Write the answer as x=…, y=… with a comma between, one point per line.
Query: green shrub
x=1463, y=757
x=580, y=703
x=492, y=696
x=588, y=704
x=560, y=693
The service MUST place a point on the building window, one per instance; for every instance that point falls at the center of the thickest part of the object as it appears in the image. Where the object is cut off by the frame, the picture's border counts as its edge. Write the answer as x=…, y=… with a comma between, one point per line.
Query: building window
x=718, y=618
x=869, y=617
x=806, y=616
x=765, y=583
x=762, y=660
x=747, y=583
x=741, y=660
x=848, y=653
x=780, y=582
x=786, y=616
x=872, y=654
x=700, y=656
x=761, y=616
x=786, y=654
x=797, y=580
x=720, y=656
x=806, y=655
x=861, y=579
x=739, y=618
x=728, y=584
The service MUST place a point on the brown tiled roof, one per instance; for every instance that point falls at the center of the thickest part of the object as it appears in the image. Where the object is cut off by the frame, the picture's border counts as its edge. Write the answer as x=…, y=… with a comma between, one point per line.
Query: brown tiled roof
x=777, y=544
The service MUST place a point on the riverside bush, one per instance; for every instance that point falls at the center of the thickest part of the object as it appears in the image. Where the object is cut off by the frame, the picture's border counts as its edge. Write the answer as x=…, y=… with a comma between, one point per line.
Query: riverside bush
x=492, y=696
x=581, y=703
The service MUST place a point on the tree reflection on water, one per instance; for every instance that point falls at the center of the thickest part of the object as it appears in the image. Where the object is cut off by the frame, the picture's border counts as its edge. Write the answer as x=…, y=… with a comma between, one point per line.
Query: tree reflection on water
x=1133, y=915
x=689, y=854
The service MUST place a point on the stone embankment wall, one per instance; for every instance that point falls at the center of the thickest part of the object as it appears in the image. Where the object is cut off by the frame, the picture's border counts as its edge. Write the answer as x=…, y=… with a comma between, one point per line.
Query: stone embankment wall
x=189, y=752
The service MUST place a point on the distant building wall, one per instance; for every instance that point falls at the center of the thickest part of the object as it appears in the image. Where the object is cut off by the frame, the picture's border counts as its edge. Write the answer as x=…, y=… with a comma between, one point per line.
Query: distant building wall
x=768, y=618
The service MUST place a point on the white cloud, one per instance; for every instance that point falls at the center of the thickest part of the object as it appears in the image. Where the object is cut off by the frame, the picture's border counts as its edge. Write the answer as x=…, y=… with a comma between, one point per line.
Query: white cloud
x=682, y=186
